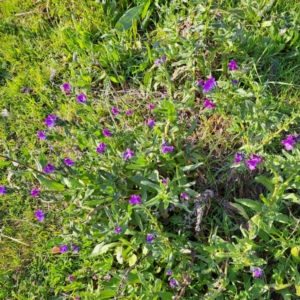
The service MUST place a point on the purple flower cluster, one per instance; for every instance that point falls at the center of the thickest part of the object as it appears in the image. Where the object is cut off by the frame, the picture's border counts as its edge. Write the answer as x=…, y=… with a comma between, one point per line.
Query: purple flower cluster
x=129, y=112
x=69, y=162
x=232, y=65
x=81, y=98
x=256, y=272
x=63, y=249
x=128, y=154
x=151, y=123
x=50, y=121
x=40, y=215
x=208, y=85
x=290, y=141
x=165, y=148
x=207, y=103
x=252, y=162
x=49, y=168
x=161, y=60
x=42, y=135
x=115, y=111
x=135, y=199
x=101, y=148
x=66, y=88
x=118, y=229
x=173, y=283
x=35, y=192
x=150, y=238
x=106, y=132
x=3, y=190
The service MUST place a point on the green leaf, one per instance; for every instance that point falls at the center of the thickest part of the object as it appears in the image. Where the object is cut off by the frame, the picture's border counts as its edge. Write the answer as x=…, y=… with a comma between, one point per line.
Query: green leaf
x=4, y=163
x=50, y=183
x=102, y=248
x=191, y=167
x=165, y=295
x=151, y=184
x=266, y=182
x=107, y=294
x=119, y=255
x=254, y=205
x=132, y=260
x=126, y=21
x=240, y=210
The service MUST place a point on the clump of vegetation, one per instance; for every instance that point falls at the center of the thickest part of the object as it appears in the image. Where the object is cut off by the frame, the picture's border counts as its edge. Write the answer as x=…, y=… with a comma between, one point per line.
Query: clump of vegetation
x=149, y=150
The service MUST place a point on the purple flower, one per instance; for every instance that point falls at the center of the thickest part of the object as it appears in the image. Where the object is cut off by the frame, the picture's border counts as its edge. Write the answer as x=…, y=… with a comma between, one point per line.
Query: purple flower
x=232, y=65
x=69, y=162
x=75, y=248
x=289, y=142
x=50, y=121
x=63, y=249
x=183, y=195
x=157, y=61
x=135, y=199
x=238, y=157
x=151, y=106
x=2, y=190
x=209, y=85
x=39, y=215
x=101, y=147
x=128, y=154
x=48, y=168
x=81, y=98
x=129, y=112
x=160, y=60
x=254, y=161
x=115, y=111
x=151, y=123
x=118, y=229
x=35, y=192
x=42, y=135
x=150, y=238
x=50, y=147
x=258, y=158
x=71, y=278
x=77, y=298
x=66, y=87
x=169, y=272
x=235, y=82
x=200, y=82
x=207, y=103
x=172, y=283
x=165, y=148
x=106, y=132
x=256, y=272
x=164, y=181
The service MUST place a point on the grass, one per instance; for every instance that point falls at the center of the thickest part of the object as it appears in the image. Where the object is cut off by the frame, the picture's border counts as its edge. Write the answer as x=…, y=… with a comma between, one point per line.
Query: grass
x=107, y=50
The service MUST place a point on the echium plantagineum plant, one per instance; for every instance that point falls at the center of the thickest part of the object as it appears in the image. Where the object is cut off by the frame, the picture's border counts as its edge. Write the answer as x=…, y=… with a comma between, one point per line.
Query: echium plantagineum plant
x=122, y=186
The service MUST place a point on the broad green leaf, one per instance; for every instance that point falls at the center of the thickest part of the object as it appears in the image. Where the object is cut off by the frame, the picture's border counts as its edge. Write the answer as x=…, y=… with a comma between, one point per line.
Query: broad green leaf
x=102, y=248
x=191, y=167
x=107, y=294
x=240, y=210
x=254, y=205
x=153, y=201
x=126, y=21
x=50, y=183
x=132, y=260
x=4, y=163
x=119, y=254
x=166, y=295
x=266, y=182
x=151, y=184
